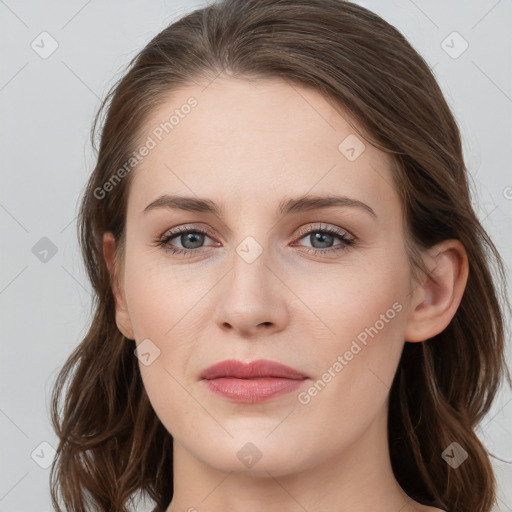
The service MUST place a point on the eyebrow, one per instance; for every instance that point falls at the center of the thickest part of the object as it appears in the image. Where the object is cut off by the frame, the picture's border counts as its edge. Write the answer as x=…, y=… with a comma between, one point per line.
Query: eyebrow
x=290, y=205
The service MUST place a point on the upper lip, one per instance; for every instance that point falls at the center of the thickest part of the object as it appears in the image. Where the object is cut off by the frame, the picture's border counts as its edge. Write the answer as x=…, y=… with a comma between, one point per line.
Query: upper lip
x=256, y=369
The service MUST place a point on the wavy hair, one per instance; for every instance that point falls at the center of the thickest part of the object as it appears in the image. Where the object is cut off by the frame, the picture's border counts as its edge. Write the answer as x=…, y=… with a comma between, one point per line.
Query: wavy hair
x=112, y=446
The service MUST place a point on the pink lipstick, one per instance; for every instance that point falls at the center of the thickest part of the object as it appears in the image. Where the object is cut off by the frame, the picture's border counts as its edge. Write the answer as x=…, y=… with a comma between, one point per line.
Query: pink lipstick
x=252, y=382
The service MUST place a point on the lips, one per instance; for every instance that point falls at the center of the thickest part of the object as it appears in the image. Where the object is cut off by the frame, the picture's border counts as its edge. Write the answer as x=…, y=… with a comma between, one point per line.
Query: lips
x=261, y=368
x=251, y=382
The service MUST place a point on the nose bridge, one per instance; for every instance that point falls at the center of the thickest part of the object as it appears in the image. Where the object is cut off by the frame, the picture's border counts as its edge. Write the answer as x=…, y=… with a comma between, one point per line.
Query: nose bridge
x=250, y=295
x=250, y=264
x=251, y=234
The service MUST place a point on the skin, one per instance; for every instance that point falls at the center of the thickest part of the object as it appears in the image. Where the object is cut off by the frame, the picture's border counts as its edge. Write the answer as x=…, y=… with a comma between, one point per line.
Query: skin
x=247, y=145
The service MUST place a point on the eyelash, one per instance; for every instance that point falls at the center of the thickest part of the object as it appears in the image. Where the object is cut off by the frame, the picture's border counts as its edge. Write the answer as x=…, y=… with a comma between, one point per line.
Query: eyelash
x=340, y=234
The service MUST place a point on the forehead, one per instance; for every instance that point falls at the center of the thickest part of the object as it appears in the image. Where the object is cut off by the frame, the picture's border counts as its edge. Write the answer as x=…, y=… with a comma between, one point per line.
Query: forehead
x=241, y=140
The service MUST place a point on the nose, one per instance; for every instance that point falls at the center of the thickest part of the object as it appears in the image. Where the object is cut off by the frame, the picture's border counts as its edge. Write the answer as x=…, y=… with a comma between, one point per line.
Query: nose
x=253, y=299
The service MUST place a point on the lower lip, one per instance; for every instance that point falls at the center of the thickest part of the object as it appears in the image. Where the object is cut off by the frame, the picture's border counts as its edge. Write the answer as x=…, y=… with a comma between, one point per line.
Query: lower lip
x=252, y=390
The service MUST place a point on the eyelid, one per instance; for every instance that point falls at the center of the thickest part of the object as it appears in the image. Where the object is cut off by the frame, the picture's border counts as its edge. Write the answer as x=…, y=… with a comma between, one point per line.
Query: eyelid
x=187, y=228
x=321, y=226
x=303, y=231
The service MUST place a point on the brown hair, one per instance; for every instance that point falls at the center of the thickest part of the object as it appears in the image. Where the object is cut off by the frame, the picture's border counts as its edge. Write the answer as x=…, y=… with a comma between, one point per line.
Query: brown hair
x=112, y=445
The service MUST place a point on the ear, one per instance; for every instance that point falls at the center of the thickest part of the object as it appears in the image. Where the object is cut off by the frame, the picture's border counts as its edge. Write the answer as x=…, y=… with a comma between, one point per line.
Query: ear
x=436, y=300
x=122, y=317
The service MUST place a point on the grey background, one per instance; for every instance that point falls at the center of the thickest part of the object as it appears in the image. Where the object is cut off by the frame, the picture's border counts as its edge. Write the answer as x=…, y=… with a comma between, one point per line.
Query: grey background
x=47, y=106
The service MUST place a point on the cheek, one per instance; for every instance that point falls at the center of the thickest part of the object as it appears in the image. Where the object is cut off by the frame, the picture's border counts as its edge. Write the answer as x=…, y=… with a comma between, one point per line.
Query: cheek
x=356, y=366
x=165, y=305
x=365, y=310
x=160, y=293
x=357, y=300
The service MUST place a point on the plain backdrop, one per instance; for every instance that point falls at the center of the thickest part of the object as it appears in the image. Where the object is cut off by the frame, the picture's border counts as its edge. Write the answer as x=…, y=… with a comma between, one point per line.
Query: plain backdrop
x=58, y=60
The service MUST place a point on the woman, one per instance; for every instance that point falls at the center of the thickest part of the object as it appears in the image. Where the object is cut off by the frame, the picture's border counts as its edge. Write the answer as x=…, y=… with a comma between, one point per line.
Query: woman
x=295, y=303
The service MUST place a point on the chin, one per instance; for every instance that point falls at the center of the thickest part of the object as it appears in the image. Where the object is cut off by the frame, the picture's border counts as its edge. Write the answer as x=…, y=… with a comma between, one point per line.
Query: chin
x=256, y=458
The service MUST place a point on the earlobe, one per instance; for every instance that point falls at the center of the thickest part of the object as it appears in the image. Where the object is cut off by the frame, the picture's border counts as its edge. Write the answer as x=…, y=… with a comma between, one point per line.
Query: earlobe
x=122, y=317
x=437, y=298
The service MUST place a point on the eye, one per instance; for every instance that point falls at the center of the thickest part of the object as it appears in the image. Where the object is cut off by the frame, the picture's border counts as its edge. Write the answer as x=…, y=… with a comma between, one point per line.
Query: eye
x=321, y=238
x=190, y=238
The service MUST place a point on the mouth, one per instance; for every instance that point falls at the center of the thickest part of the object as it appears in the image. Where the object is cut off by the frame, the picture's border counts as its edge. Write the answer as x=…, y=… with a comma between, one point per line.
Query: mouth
x=251, y=382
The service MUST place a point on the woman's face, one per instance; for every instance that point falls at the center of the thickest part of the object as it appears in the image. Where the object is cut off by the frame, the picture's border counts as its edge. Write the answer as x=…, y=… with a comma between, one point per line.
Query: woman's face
x=265, y=282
